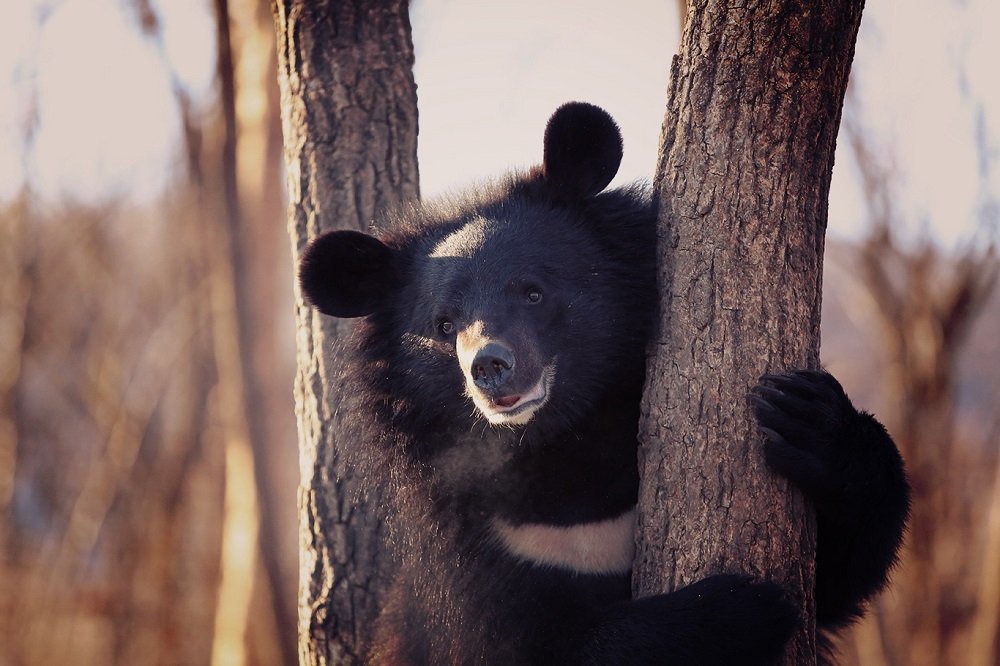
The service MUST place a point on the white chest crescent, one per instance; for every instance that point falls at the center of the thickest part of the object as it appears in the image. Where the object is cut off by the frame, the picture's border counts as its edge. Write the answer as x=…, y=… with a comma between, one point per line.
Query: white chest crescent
x=602, y=547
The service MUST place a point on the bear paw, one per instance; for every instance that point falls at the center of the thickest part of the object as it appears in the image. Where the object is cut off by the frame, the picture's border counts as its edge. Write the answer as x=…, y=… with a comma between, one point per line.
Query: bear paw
x=737, y=620
x=814, y=435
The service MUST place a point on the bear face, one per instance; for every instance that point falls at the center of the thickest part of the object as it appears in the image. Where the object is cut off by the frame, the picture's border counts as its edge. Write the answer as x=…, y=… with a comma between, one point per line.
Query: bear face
x=525, y=312
x=495, y=303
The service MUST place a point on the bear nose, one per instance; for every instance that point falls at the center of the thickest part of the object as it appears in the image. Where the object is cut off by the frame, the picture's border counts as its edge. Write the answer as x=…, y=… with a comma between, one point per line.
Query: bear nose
x=492, y=366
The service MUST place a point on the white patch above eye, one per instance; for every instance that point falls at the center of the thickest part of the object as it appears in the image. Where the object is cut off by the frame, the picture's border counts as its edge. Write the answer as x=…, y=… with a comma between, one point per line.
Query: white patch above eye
x=464, y=241
x=602, y=547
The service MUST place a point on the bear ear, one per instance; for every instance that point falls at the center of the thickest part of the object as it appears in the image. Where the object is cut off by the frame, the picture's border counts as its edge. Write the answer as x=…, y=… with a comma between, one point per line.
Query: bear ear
x=347, y=273
x=583, y=148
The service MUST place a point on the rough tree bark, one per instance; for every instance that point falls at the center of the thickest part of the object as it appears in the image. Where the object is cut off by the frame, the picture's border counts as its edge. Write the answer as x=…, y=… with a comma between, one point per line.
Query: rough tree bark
x=349, y=117
x=742, y=186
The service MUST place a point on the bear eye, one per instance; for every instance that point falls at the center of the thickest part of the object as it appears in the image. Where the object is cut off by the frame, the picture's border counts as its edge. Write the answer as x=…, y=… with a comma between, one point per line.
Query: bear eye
x=534, y=295
x=446, y=327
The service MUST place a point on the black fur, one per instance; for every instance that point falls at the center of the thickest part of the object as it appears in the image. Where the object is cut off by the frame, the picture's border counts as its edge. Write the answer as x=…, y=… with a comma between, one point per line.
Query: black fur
x=847, y=464
x=563, y=280
x=347, y=273
x=583, y=149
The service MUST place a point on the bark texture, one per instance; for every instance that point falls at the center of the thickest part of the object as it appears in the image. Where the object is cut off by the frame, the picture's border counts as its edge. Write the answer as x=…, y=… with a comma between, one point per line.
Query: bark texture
x=349, y=117
x=742, y=187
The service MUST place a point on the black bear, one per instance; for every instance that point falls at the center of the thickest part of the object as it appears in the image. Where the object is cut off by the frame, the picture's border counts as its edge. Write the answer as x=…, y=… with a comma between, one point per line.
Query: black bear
x=495, y=382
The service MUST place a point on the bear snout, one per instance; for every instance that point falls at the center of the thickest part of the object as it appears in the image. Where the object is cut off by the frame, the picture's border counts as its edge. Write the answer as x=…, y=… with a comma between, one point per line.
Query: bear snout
x=492, y=366
x=503, y=377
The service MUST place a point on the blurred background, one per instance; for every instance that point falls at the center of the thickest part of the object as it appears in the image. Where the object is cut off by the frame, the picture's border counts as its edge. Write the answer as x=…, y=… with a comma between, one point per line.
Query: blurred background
x=148, y=461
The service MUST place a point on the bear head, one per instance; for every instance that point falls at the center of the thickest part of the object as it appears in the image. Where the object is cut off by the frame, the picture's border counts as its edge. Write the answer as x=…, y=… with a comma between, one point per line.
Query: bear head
x=528, y=296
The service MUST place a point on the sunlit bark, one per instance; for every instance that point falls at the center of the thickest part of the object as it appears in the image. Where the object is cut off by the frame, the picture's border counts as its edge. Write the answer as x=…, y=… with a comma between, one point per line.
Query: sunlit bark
x=742, y=186
x=349, y=117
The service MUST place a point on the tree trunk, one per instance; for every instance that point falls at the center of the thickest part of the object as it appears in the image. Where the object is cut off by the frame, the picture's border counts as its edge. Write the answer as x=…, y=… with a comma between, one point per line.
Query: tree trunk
x=742, y=186
x=349, y=117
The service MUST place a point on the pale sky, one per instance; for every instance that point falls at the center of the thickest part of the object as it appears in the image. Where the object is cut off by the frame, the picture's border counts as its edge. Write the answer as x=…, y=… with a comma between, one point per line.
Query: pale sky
x=488, y=76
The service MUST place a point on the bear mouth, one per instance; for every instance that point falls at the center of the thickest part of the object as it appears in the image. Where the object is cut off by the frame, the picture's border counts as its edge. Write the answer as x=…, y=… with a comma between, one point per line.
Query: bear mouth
x=513, y=403
x=517, y=408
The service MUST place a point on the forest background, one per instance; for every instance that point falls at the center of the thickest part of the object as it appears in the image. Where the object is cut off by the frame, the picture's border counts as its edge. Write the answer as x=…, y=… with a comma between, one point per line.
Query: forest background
x=148, y=464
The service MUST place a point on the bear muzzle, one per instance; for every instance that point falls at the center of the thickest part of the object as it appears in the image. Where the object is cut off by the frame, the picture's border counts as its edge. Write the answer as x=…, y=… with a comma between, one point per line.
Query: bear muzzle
x=504, y=390
x=515, y=408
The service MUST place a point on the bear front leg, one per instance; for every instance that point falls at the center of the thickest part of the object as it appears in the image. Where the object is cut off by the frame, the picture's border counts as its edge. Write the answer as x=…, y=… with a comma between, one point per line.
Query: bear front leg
x=846, y=463
x=722, y=619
